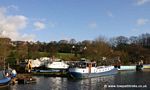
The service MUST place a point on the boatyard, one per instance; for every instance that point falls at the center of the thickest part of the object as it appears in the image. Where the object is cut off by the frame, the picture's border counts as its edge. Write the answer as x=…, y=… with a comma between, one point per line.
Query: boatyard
x=74, y=45
x=71, y=67
x=71, y=71
x=121, y=78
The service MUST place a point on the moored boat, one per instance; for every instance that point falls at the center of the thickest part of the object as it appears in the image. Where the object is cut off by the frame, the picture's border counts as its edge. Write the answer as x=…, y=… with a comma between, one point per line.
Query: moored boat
x=130, y=67
x=146, y=66
x=4, y=81
x=57, y=64
x=137, y=67
x=85, y=69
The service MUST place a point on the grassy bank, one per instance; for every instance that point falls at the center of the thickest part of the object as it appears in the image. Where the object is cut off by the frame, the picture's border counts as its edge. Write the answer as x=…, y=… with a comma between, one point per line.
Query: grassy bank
x=67, y=56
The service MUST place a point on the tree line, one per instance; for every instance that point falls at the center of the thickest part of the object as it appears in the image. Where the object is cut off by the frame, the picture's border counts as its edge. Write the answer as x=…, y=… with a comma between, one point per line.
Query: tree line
x=128, y=50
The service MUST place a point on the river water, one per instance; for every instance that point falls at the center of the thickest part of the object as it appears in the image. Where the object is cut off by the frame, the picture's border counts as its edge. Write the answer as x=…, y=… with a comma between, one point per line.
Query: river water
x=124, y=80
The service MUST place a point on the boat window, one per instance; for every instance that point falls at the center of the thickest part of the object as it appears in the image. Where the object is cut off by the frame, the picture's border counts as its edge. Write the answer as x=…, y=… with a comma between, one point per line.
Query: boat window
x=87, y=64
x=81, y=65
x=93, y=64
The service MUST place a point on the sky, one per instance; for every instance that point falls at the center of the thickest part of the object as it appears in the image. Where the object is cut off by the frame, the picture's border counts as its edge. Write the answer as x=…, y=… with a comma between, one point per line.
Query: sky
x=54, y=20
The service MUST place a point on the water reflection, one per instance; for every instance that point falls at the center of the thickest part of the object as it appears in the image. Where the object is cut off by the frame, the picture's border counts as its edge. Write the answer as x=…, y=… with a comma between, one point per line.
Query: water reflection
x=132, y=77
x=62, y=83
x=5, y=88
x=90, y=83
x=59, y=83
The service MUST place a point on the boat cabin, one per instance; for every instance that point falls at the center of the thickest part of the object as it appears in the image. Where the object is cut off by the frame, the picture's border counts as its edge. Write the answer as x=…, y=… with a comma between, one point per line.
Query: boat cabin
x=84, y=64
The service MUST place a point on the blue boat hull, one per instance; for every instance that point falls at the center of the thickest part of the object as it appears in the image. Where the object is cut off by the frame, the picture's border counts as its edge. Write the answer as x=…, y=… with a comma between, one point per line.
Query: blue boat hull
x=5, y=81
x=89, y=75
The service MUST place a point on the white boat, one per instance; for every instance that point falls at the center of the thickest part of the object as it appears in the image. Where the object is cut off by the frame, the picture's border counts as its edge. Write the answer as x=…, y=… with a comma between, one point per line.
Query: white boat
x=35, y=63
x=58, y=64
x=123, y=68
x=38, y=62
x=137, y=67
x=84, y=69
x=146, y=66
x=130, y=67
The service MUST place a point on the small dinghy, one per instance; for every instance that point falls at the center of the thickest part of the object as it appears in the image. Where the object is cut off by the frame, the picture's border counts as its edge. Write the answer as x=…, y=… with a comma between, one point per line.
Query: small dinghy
x=4, y=81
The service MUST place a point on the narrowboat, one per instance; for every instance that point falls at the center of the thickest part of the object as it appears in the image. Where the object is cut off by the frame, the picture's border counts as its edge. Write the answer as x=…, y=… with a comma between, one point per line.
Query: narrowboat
x=86, y=69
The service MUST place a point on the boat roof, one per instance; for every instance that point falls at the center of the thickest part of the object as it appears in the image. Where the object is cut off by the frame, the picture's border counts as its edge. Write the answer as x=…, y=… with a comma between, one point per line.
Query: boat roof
x=86, y=61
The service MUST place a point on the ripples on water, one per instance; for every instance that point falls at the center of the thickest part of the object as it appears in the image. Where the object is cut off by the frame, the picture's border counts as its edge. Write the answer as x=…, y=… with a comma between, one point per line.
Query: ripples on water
x=62, y=83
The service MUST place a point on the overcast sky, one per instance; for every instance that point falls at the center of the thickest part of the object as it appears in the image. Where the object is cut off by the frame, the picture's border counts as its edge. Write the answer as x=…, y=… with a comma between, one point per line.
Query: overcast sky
x=48, y=20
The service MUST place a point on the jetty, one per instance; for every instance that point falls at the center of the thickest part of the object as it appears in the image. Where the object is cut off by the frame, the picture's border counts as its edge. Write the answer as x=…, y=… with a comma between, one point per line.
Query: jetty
x=52, y=73
x=23, y=79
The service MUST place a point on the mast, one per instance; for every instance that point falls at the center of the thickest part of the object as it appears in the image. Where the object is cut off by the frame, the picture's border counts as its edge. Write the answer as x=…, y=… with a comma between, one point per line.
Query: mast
x=4, y=64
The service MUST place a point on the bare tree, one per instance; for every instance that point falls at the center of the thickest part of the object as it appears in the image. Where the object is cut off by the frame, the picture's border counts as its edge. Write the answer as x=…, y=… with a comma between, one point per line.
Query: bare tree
x=98, y=49
x=72, y=41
